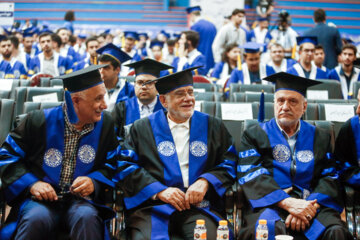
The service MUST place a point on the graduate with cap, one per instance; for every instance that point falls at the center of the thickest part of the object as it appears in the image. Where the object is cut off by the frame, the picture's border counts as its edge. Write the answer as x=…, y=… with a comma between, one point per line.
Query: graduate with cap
x=260, y=34
x=143, y=45
x=116, y=89
x=146, y=99
x=287, y=172
x=252, y=71
x=156, y=48
x=189, y=56
x=129, y=48
x=178, y=166
x=304, y=67
x=58, y=164
x=28, y=42
x=207, y=33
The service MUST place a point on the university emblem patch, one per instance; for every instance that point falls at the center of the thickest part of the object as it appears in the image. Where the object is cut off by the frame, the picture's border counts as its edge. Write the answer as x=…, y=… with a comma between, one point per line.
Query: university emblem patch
x=86, y=154
x=53, y=157
x=305, y=156
x=281, y=153
x=198, y=148
x=166, y=148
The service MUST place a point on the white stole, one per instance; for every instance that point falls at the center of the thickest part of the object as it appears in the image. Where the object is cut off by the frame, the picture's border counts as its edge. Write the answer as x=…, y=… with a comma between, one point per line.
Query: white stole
x=344, y=88
x=56, y=62
x=246, y=74
x=301, y=73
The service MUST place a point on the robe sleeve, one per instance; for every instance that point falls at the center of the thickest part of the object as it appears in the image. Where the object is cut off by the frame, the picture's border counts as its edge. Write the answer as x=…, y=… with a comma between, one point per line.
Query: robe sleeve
x=326, y=186
x=137, y=183
x=119, y=118
x=255, y=178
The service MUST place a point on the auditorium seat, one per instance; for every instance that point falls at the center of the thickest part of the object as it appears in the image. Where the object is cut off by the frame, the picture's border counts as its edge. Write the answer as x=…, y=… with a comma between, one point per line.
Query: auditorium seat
x=25, y=94
x=332, y=86
x=10, y=94
x=269, y=110
x=209, y=108
x=206, y=86
x=312, y=112
x=255, y=97
x=201, y=79
x=7, y=107
x=237, y=97
x=356, y=86
x=208, y=96
x=48, y=82
x=236, y=87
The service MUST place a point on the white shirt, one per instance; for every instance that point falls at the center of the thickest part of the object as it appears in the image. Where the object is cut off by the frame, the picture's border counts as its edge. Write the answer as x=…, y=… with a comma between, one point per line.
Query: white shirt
x=188, y=59
x=110, y=99
x=146, y=110
x=181, y=136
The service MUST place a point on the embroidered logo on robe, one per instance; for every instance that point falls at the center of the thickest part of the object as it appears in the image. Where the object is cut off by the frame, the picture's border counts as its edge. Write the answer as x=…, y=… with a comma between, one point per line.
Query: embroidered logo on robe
x=166, y=148
x=281, y=153
x=305, y=156
x=198, y=148
x=53, y=157
x=61, y=70
x=86, y=154
x=17, y=74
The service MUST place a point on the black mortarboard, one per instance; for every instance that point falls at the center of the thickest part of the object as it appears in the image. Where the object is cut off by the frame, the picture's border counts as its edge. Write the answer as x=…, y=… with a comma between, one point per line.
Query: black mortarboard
x=78, y=81
x=148, y=66
x=174, y=81
x=286, y=81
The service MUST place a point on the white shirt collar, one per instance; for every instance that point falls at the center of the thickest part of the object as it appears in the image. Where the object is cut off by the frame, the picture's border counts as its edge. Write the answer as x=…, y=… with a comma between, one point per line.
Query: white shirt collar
x=285, y=134
x=173, y=124
x=150, y=105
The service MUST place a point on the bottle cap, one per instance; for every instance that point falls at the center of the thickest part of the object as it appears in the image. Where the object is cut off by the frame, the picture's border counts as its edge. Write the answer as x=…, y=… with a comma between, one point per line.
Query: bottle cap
x=200, y=222
x=262, y=221
x=223, y=223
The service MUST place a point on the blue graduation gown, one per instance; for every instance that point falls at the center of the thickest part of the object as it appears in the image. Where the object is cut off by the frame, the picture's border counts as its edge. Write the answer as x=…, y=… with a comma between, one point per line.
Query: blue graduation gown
x=207, y=32
x=198, y=61
x=19, y=70
x=316, y=73
x=6, y=70
x=64, y=65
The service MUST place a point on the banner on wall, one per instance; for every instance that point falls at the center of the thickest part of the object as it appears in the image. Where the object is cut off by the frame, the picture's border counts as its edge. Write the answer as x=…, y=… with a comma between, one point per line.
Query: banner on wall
x=216, y=10
x=6, y=14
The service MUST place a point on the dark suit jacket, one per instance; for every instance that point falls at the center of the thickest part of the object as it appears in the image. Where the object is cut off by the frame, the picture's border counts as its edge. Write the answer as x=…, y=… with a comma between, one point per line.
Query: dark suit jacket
x=329, y=38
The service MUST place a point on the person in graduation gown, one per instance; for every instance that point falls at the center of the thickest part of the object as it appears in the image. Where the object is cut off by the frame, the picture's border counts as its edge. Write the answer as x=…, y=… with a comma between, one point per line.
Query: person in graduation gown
x=66, y=50
x=57, y=164
x=19, y=54
x=189, y=56
x=278, y=61
x=156, y=48
x=319, y=58
x=222, y=70
x=260, y=34
x=129, y=48
x=304, y=68
x=5, y=67
x=207, y=33
x=49, y=62
x=178, y=166
x=287, y=172
x=347, y=149
x=146, y=99
x=252, y=71
x=116, y=89
x=346, y=73
x=6, y=49
x=92, y=45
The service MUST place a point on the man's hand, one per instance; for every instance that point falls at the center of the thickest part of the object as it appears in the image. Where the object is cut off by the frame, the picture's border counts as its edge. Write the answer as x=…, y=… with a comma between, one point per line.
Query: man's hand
x=305, y=210
x=82, y=186
x=196, y=192
x=174, y=196
x=296, y=224
x=43, y=191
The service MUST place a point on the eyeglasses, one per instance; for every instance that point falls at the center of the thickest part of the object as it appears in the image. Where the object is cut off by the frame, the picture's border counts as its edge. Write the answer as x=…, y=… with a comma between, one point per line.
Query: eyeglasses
x=148, y=84
x=183, y=94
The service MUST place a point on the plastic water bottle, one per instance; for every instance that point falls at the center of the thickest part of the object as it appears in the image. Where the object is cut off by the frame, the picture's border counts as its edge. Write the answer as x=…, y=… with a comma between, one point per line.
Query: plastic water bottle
x=262, y=231
x=200, y=229
x=223, y=231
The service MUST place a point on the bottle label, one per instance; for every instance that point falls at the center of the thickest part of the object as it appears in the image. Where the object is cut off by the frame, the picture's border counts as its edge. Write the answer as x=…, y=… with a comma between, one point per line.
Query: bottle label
x=222, y=235
x=200, y=234
x=261, y=234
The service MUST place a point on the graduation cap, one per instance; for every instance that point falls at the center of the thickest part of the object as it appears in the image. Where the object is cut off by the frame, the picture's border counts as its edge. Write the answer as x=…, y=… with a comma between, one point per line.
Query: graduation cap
x=144, y=34
x=29, y=32
x=82, y=36
x=78, y=81
x=45, y=30
x=176, y=35
x=251, y=47
x=156, y=43
x=130, y=34
x=167, y=35
x=193, y=9
x=2, y=37
x=148, y=66
x=174, y=81
x=306, y=39
x=114, y=52
x=261, y=19
x=286, y=81
x=7, y=30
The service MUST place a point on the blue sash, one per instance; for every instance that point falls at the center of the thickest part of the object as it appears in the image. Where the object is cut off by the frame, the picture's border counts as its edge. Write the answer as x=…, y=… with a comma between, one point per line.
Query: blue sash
x=355, y=125
x=127, y=91
x=167, y=150
x=54, y=151
x=133, y=111
x=304, y=154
